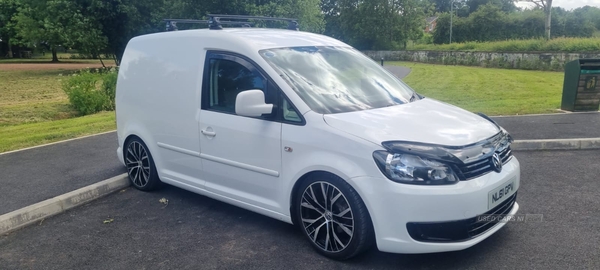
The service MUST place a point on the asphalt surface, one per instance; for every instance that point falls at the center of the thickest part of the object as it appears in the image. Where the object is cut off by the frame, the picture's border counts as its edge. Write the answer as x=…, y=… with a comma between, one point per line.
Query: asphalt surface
x=34, y=175
x=133, y=230
x=555, y=126
x=398, y=71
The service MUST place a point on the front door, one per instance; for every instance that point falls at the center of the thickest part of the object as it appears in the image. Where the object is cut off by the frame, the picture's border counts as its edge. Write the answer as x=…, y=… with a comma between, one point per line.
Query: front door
x=241, y=156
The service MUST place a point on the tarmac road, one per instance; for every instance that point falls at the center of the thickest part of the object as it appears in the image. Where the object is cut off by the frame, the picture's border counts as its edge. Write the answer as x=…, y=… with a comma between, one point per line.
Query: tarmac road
x=398, y=71
x=34, y=175
x=194, y=232
x=555, y=126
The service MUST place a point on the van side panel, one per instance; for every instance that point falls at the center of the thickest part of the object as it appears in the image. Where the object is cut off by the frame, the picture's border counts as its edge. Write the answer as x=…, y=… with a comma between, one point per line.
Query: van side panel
x=158, y=99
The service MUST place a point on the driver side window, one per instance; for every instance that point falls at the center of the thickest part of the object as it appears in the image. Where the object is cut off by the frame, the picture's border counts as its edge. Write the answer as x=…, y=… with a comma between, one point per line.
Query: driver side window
x=228, y=78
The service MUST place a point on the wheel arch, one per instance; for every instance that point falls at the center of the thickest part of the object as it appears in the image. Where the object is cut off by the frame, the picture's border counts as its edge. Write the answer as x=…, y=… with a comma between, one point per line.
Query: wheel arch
x=305, y=177
x=135, y=130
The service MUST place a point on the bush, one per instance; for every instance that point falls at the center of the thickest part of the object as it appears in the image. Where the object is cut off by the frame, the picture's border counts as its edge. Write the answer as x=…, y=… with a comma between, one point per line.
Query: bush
x=109, y=88
x=427, y=38
x=528, y=45
x=91, y=92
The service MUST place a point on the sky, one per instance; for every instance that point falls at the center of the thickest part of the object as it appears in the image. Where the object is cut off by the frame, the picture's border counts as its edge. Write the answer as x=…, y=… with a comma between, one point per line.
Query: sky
x=566, y=4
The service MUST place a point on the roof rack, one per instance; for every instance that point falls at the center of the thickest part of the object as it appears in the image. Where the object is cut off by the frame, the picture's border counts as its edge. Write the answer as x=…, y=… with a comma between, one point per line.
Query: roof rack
x=215, y=23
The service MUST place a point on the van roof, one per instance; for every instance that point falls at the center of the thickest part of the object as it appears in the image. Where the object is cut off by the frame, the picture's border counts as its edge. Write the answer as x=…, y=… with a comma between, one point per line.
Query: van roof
x=258, y=38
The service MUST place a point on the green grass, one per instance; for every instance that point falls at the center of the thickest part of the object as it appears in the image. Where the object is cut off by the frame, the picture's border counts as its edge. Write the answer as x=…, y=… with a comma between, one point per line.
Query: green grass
x=31, y=134
x=529, y=45
x=32, y=96
x=488, y=90
x=34, y=110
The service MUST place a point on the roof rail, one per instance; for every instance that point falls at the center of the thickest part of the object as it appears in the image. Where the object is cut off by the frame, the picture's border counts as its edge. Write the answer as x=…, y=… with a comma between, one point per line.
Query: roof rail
x=215, y=23
x=171, y=24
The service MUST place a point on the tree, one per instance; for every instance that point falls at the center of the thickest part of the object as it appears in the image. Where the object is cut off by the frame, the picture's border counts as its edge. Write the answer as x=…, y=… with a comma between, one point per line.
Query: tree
x=442, y=6
x=589, y=14
x=577, y=25
x=526, y=24
x=51, y=23
x=505, y=5
x=376, y=24
x=8, y=9
x=120, y=20
x=307, y=12
x=546, y=6
x=441, y=32
x=331, y=13
x=464, y=8
x=488, y=23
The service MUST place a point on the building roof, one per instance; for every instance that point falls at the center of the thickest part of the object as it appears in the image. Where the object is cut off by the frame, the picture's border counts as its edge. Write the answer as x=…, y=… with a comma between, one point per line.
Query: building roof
x=431, y=19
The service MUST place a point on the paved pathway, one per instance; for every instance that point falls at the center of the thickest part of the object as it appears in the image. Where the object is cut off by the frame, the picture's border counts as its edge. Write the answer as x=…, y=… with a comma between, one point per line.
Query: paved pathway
x=556, y=126
x=34, y=175
x=399, y=71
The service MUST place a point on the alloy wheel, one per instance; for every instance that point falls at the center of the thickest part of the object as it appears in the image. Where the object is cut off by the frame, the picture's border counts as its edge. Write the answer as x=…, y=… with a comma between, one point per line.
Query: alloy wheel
x=327, y=217
x=138, y=164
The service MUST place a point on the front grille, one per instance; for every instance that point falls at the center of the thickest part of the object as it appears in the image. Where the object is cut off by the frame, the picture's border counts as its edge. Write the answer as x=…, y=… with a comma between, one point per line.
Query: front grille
x=480, y=167
x=459, y=230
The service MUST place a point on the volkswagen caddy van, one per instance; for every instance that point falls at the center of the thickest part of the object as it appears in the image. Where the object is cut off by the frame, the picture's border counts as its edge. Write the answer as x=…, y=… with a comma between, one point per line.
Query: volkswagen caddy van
x=304, y=129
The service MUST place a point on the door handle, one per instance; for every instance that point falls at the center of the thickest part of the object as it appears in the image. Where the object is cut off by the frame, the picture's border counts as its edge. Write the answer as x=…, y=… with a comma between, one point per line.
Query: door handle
x=209, y=133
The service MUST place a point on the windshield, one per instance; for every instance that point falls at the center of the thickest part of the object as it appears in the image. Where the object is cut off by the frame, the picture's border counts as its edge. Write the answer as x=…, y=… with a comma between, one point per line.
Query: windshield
x=337, y=79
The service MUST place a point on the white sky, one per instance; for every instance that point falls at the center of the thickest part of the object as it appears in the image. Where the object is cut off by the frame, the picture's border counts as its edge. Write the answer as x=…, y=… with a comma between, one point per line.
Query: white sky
x=566, y=4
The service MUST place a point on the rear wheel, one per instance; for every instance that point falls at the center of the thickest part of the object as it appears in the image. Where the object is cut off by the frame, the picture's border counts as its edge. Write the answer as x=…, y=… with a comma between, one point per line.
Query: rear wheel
x=333, y=217
x=140, y=166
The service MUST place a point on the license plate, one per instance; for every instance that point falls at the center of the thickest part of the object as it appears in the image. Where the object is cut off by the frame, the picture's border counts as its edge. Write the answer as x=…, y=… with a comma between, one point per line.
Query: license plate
x=501, y=193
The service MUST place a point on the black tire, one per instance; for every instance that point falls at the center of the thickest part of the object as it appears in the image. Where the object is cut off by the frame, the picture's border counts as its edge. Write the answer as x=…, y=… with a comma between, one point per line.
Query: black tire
x=140, y=165
x=331, y=215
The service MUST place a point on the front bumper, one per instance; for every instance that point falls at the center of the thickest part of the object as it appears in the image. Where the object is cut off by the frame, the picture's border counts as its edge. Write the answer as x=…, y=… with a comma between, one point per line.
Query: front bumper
x=120, y=155
x=393, y=206
x=460, y=230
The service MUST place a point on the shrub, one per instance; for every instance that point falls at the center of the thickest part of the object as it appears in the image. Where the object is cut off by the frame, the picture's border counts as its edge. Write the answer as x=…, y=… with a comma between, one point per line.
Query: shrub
x=109, y=88
x=91, y=92
x=427, y=38
x=528, y=45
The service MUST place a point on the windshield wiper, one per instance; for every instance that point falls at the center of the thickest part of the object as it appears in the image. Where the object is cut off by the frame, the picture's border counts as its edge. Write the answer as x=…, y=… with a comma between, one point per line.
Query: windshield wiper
x=413, y=97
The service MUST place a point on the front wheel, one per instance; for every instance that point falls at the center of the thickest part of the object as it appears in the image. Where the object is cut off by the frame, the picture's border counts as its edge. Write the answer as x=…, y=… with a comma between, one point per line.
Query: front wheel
x=140, y=166
x=333, y=217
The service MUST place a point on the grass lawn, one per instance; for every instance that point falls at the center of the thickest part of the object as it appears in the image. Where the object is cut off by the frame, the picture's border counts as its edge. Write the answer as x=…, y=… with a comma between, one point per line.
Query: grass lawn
x=31, y=134
x=488, y=90
x=32, y=96
x=34, y=110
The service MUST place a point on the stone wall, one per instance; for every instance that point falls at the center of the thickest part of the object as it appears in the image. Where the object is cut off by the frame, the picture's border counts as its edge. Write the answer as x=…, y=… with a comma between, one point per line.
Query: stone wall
x=515, y=60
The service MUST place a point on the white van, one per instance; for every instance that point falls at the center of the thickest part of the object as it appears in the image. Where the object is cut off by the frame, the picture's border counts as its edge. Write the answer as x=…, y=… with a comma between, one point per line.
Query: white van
x=305, y=129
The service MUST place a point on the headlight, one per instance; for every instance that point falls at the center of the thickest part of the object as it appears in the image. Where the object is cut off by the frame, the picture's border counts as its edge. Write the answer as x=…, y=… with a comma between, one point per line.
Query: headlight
x=412, y=169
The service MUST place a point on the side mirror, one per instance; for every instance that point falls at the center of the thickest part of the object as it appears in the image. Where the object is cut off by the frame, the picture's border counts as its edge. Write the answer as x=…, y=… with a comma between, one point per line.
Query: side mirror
x=252, y=103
